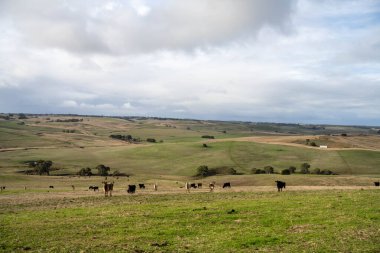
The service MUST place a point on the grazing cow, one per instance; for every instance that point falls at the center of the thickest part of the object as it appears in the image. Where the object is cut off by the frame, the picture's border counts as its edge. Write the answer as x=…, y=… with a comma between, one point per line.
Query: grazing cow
x=227, y=185
x=199, y=185
x=193, y=186
x=142, y=186
x=51, y=187
x=108, y=188
x=94, y=188
x=131, y=189
x=155, y=187
x=211, y=186
x=377, y=183
x=280, y=185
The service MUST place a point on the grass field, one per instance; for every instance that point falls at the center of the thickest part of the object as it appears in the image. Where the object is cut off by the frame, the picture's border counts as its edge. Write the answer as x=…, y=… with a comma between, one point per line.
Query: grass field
x=315, y=213
x=302, y=221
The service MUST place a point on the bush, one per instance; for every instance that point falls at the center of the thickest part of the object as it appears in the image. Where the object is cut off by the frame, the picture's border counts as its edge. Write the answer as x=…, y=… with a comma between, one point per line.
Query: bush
x=205, y=145
x=40, y=167
x=305, y=168
x=151, y=140
x=208, y=137
x=122, y=137
x=22, y=116
x=285, y=172
x=268, y=169
x=102, y=170
x=313, y=144
x=326, y=172
x=257, y=171
x=85, y=172
x=316, y=171
x=292, y=169
x=203, y=171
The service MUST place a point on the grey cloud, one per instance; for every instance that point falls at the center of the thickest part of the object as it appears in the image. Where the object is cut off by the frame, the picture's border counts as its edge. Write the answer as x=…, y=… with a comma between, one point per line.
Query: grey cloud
x=95, y=27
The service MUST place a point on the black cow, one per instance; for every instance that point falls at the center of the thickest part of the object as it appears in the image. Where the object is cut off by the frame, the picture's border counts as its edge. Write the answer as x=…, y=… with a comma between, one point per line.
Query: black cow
x=131, y=188
x=193, y=186
x=108, y=188
x=142, y=186
x=199, y=185
x=280, y=185
x=2, y=188
x=94, y=188
x=377, y=183
x=227, y=185
x=51, y=187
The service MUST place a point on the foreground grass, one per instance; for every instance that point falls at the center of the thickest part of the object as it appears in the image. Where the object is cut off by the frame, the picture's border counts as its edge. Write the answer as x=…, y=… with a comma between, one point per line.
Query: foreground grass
x=323, y=221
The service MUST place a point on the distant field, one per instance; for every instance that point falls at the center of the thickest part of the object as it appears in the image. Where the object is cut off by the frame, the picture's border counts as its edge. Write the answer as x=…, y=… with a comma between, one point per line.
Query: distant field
x=239, y=145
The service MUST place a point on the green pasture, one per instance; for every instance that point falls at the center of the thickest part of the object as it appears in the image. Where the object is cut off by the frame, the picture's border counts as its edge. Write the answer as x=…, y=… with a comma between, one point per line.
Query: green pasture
x=183, y=158
x=305, y=221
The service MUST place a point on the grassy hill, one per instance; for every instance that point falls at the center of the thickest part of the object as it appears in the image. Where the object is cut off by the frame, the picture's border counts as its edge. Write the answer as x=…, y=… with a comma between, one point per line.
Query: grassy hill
x=179, y=150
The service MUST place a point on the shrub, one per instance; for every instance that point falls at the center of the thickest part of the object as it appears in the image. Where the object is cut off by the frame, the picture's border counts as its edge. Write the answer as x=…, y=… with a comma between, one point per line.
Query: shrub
x=285, y=172
x=205, y=145
x=292, y=169
x=268, y=169
x=85, y=172
x=22, y=116
x=151, y=140
x=326, y=172
x=203, y=171
x=102, y=170
x=40, y=167
x=305, y=168
x=316, y=171
x=208, y=137
x=313, y=144
x=257, y=171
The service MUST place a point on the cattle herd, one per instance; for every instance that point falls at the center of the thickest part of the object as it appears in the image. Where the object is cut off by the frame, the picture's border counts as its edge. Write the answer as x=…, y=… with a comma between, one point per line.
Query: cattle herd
x=108, y=187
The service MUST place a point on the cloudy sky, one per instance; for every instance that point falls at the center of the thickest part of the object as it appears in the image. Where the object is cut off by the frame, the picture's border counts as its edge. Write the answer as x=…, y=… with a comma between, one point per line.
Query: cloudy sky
x=305, y=61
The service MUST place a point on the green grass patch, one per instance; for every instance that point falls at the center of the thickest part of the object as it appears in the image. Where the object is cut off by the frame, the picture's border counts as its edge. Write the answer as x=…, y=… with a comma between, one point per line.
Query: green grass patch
x=326, y=221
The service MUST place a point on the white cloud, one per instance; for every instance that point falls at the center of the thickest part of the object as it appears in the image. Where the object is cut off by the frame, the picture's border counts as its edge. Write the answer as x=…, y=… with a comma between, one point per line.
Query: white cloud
x=316, y=61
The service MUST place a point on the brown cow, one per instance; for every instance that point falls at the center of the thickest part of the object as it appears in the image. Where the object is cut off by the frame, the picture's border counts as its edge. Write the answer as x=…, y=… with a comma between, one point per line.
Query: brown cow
x=108, y=188
x=211, y=186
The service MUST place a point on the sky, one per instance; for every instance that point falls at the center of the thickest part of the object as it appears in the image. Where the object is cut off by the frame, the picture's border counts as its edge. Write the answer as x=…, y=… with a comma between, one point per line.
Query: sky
x=292, y=61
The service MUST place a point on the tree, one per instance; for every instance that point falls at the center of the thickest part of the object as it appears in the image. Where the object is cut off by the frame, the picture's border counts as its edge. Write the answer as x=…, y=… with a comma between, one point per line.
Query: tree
x=43, y=167
x=22, y=116
x=305, y=168
x=268, y=169
x=285, y=172
x=203, y=171
x=316, y=171
x=231, y=171
x=292, y=169
x=313, y=144
x=102, y=170
x=257, y=171
x=85, y=172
